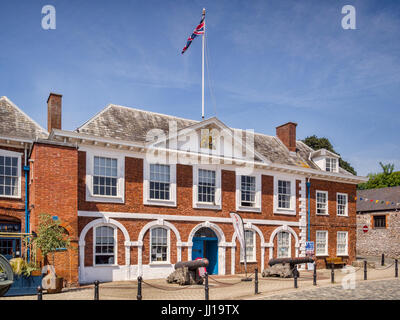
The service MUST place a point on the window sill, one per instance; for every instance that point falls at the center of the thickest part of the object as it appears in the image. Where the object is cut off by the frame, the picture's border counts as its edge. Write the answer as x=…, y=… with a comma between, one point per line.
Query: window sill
x=157, y=202
x=10, y=197
x=160, y=263
x=322, y=214
x=342, y=255
x=250, y=261
x=205, y=205
x=322, y=255
x=104, y=265
x=342, y=215
x=107, y=199
x=288, y=212
x=249, y=209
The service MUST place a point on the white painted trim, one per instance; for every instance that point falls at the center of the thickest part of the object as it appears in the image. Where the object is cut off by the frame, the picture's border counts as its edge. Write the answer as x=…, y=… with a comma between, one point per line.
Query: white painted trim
x=347, y=205
x=275, y=232
x=18, y=155
x=146, y=186
x=120, y=198
x=218, y=194
x=170, y=217
x=239, y=207
x=92, y=224
x=288, y=211
x=327, y=203
x=221, y=243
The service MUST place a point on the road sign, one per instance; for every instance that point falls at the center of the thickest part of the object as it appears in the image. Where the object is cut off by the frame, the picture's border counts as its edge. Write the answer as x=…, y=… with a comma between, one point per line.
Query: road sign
x=365, y=228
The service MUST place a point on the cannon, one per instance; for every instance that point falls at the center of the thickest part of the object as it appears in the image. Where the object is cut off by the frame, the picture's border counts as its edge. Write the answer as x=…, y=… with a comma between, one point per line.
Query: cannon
x=6, y=275
x=285, y=267
x=188, y=272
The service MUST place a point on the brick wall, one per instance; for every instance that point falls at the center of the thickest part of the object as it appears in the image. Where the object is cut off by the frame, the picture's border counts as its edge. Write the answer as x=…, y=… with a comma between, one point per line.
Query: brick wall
x=54, y=191
x=332, y=222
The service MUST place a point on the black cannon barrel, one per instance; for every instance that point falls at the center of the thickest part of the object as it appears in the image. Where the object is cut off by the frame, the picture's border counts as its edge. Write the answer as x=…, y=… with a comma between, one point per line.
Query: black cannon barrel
x=192, y=265
x=291, y=261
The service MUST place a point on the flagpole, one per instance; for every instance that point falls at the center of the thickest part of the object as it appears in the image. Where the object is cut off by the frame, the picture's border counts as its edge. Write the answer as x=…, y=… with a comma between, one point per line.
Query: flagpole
x=202, y=67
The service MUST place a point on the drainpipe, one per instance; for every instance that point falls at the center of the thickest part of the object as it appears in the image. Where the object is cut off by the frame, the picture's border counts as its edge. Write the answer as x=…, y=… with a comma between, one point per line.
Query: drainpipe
x=308, y=214
x=27, y=216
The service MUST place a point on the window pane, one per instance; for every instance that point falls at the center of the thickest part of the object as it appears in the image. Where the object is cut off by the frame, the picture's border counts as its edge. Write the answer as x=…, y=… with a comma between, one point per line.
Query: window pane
x=105, y=176
x=8, y=176
x=206, y=186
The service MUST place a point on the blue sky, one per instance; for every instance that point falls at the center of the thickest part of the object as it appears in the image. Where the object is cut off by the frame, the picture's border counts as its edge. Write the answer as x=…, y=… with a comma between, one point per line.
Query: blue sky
x=270, y=62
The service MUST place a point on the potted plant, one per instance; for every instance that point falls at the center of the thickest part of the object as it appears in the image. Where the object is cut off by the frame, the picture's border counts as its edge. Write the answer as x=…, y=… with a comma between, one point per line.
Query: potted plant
x=51, y=237
x=25, y=280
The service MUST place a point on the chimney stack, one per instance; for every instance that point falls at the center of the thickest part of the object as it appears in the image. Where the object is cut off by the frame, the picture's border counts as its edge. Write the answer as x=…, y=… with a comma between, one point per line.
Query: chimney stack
x=287, y=134
x=54, y=111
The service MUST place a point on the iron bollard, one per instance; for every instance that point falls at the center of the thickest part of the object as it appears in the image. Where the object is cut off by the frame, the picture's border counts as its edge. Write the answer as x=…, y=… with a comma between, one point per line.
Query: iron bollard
x=256, y=281
x=315, y=274
x=332, y=274
x=396, y=268
x=365, y=269
x=295, y=276
x=96, y=290
x=39, y=293
x=139, y=288
x=206, y=288
x=383, y=259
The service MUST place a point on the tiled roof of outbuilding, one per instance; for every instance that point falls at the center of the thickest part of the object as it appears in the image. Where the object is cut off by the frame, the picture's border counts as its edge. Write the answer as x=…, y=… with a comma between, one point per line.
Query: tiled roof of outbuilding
x=15, y=123
x=390, y=194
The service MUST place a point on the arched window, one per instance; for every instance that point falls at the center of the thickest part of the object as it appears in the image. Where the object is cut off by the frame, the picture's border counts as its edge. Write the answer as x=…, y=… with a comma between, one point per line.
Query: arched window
x=283, y=244
x=104, y=245
x=159, y=251
x=250, y=238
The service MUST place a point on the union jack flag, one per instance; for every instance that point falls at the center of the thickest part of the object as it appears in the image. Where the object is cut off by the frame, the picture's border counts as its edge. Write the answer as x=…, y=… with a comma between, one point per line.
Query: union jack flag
x=197, y=31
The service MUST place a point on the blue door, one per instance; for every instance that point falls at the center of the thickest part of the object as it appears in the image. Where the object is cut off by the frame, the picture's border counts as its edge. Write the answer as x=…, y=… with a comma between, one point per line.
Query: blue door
x=10, y=246
x=205, y=247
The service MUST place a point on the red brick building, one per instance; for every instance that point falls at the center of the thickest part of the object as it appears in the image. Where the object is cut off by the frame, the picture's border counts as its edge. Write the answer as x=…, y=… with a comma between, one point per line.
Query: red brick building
x=138, y=191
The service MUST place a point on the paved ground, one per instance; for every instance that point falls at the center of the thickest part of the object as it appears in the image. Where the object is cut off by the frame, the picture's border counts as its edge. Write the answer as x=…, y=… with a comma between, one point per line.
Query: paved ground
x=369, y=290
x=230, y=287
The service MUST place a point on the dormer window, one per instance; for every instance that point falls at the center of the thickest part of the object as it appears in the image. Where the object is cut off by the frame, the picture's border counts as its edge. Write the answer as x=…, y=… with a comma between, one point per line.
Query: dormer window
x=331, y=165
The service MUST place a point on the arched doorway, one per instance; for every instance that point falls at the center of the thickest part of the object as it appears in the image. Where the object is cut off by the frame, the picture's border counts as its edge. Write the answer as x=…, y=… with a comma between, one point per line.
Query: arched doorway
x=10, y=243
x=205, y=245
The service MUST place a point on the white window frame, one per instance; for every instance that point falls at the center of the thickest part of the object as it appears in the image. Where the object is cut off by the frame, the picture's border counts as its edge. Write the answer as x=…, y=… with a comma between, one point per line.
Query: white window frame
x=316, y=203
x=257, y=205
x=120, y=197
x=168, y=246
x=253, y=258
x=346, y=209
x=205, y=205
x=7, y=153
x=146, y=186
x=288, y=211
x=335, y=169
x=290, y=244
x=346, y=253
x=326, y=253
x=115, y=245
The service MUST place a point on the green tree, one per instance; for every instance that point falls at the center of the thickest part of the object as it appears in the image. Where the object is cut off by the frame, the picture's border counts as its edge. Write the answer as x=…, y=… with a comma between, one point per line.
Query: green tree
x=50, y=236
x=323, y=143
x=387, y=178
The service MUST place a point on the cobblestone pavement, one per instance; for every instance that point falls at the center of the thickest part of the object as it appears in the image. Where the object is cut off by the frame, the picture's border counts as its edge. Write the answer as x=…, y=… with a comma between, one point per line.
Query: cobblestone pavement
x=231, y=287
x=370, y=290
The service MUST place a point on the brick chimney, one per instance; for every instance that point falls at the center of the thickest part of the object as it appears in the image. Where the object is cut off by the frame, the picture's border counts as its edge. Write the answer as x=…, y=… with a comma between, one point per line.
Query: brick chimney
x=54, y=111
x=287, y=134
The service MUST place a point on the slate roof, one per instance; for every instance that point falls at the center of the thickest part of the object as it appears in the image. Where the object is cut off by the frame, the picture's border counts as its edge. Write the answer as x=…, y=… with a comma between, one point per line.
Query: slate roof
x=391, y=194
x=15, y=123
x=131, y=124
